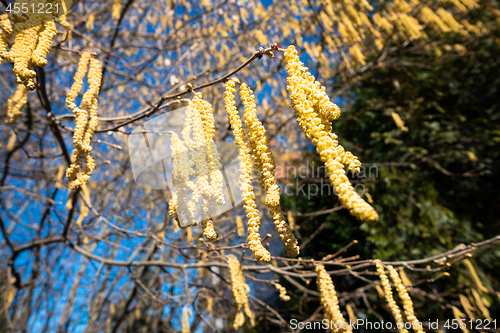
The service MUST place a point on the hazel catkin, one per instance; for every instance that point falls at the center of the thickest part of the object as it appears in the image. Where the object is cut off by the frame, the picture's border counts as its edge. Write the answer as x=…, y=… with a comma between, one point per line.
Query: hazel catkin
x=329, y=301
x=33, y=37
x=253, y=226
x=405, y=298
x=16, y=103
x=396, y=311
x=78, y=173
x=265, y=164
x=318, y=131
x=240, y=292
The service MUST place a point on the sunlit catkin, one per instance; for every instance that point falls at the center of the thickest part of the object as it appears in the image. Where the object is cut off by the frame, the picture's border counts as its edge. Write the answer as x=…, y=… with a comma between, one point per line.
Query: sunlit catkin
x=283, y=296
x=253, y=227
x=116, y=9
x=78, y=80
x=265, y=164
x=16, y=103
x=5, y=33
x=405, y=298
x=186, y=312
x=240, y=228
x=240, y=292
x=396, y=311
x=20, y=55
x=208, y=229
x=205, y=112
x=259, y=142
x=83, y=163
x=473, y=274
x=315, y=129
x=329, y=301
x=32, y=42
x=45, y=37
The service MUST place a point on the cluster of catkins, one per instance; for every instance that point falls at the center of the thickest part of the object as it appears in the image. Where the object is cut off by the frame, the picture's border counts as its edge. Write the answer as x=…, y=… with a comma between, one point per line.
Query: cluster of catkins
x=264, y=163
x=314, y=111
x=196, y=166
x=330, y=303
x=403, y=295
x=240, y=292
x=16, y=103
x=32, y=42
x=78, y=173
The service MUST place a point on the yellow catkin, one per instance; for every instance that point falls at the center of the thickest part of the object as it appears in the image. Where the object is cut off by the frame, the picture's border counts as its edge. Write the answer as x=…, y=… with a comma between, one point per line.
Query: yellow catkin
x=89, y=24
x=186, y=312
x=16, y=103
x=84, y=212
x=327, y=146
x=189, y=235
x=21, y=51
x=480, y=304
x=398, y=121
x=448, y=18
x=329, y=301
x=405, y=298
x=429, y=17
x=12, y=141
x=352, y=315
x=205, y=157
x=411, y=25
x=240, y=228
x=404, y=277
x=396, y=312
x=240, y=292
x=467, y=306
x=182, y=169
x=78, y=173
x=63, y=20
x=458, y=316
x=78, y=80
x=265, y=164
x=356, y=54
x=216, y=178
x=45, y=37
x=11, y=293
x=282, y=290
x=5, y=33
x=259, y=142
x=253, y=226
x=473, y=274
x=291, y=220
x=380, y=291
x=116, y=9
x=172, y=211
x=208, y=229
x=210, y=304
x=33, y=38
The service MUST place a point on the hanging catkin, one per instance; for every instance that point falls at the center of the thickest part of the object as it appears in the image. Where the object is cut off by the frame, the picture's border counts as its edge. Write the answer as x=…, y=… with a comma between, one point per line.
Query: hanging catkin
x=265, y=164
x=254, y=241
x=396, y=311
x=330, y=151
x=33, y=38
x=16, y=103
x=329, y=301
x=405, y=298
x=78, y=173
x=240, y=292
